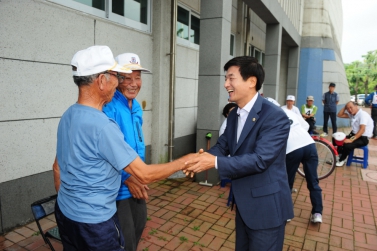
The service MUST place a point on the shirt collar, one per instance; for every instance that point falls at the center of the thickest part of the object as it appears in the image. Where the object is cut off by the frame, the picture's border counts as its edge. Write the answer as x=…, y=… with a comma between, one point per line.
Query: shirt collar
x=249, y=105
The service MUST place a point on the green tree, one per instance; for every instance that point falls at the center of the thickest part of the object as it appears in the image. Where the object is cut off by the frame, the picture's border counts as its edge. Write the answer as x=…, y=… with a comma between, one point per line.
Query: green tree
x=370, y=69
x=354, y=73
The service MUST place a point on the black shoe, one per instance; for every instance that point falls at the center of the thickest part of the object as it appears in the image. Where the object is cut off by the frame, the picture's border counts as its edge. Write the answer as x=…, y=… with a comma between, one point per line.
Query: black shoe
x=315, y=132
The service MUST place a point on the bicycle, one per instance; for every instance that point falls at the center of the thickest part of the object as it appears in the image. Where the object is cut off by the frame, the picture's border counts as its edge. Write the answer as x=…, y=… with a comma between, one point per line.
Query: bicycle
x=326, y=158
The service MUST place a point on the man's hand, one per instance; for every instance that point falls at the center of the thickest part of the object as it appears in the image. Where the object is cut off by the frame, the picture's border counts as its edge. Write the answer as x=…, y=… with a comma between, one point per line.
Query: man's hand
x=189, y=156
x=137, y=189
x=200, y=163
x=347, y=141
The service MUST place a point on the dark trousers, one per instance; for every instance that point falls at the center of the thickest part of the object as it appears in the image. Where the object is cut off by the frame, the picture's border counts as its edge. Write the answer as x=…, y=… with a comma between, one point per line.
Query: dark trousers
x=332, y=116
x=78, y=236
x=348, y=147
x=260, y=239
x=132, y=214
x=308, y=156
x=374, y=117
x=311, y=122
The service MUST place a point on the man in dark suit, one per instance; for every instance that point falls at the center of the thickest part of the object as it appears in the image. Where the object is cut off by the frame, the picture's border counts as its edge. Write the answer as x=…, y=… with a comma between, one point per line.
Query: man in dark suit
x=256, y=139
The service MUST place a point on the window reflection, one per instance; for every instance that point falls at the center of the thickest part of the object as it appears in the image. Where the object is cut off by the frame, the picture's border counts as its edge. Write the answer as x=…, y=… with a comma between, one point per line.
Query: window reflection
x=183, y=23
x=99, y=4
x=195, y=28
x=136, y=10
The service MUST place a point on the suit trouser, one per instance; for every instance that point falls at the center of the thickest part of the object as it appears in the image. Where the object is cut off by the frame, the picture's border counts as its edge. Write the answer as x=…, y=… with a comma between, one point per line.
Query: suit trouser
x=132, y=214
x=332, y=116
x=348, y=147
x=374, y=117
x=262, y=239
x=308, y=156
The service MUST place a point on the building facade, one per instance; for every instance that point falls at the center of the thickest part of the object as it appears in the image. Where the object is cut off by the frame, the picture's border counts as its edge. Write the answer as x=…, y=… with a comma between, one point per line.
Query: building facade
x=298, y=42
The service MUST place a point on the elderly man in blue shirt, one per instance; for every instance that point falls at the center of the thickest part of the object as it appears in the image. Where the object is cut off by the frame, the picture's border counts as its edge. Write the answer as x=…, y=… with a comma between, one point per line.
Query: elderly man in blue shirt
x=127, y=112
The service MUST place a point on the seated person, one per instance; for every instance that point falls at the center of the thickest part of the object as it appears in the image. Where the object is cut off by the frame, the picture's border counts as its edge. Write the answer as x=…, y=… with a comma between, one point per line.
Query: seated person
x=290, y=105
x=308, y=112
x=362, y=129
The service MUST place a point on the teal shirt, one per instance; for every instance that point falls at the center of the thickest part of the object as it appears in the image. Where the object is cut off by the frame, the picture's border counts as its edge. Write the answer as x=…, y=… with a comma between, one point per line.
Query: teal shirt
x=130, y=123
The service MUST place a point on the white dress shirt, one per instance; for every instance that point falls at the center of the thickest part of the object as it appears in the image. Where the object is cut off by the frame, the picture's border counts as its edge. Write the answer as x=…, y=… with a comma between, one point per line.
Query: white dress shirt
x=243, y=113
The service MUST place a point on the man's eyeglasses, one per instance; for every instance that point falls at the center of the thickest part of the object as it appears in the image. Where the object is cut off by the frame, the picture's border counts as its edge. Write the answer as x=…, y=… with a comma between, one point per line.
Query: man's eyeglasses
x=118, y=76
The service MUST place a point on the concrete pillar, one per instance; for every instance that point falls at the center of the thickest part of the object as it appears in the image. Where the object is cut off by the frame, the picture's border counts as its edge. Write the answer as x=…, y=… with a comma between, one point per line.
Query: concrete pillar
x=293, y=68
x=272, y=60
x=160, y=114
x=215, y=21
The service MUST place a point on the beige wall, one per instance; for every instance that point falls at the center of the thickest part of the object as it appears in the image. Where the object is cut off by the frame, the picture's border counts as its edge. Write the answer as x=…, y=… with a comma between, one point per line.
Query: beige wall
x=293, y=9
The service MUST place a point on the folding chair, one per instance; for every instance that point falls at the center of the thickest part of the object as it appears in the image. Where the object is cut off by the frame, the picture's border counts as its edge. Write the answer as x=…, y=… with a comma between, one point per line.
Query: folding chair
x=41, y=209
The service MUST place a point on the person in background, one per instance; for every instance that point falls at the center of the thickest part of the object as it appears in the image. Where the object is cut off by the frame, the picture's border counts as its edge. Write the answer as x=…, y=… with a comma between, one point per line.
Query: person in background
x=227, y=109
x=301, y=149
x=308, y=111
x=330, y=100
x=362, y=129
x=371, y=100
x=290, y=105
x=127, y=112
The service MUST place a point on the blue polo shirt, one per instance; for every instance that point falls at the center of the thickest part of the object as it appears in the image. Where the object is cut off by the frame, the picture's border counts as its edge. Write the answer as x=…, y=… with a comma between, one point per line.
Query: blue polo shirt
x=91, y=154
x=130, y=122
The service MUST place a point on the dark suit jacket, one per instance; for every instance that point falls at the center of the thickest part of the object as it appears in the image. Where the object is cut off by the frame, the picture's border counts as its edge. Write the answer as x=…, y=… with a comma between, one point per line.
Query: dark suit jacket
x=256, y=165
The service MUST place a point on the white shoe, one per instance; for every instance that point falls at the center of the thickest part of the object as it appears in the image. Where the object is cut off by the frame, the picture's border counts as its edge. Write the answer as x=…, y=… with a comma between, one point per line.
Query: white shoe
x=316, y=218
x=340, y=163
x=324, y=134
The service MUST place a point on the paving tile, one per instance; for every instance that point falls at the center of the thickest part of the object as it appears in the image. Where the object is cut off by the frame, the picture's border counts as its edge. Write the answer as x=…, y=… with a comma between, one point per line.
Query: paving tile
x=335, y=241
x=216, y=243
x=322, y=246
x=192, y=231
x=5, y=244
x=173, y=244
x=187, y=216
x=14, y=237
x=206, y=239
x=25, y=231
x=347, y=244
x=15, y=247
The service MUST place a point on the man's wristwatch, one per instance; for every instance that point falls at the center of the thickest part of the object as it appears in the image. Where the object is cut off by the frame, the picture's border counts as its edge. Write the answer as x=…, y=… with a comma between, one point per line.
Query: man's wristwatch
x=352, y=138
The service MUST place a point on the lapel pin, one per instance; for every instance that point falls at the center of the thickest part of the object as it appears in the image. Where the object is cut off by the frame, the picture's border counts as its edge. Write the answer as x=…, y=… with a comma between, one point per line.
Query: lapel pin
x=253, y=119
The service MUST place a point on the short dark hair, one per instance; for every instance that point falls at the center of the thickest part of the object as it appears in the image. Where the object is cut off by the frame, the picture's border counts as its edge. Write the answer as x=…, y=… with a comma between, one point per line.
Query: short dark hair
x=331, y=85
x=86, y=80
x=249, y=67
x=227, y=108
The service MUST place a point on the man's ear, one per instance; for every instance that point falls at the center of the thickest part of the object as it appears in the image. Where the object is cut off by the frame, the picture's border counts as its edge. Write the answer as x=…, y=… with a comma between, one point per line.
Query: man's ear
x=252, y=82
x=102, y=82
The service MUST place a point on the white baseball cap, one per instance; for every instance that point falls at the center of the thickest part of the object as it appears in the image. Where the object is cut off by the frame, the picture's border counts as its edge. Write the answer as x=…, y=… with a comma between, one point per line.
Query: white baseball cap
x=95, y=59
x=130, y=60
x=291, y=97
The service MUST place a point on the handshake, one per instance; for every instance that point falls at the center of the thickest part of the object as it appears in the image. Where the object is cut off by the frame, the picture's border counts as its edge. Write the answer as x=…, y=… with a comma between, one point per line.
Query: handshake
x=197, y=162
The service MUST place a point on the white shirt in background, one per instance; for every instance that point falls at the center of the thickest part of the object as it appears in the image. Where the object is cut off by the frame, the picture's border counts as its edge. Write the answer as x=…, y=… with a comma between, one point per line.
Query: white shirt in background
x=294, y=109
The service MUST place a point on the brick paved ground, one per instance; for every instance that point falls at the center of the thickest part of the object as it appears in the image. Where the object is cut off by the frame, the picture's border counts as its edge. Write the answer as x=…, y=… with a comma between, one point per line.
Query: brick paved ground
x=182, y=215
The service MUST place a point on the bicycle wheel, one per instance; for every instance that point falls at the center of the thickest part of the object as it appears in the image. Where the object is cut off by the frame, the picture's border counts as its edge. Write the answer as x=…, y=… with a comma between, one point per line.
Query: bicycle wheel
x=326, y=160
